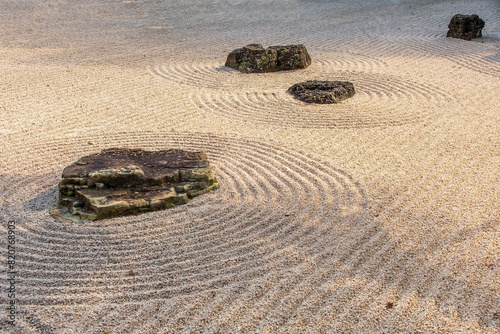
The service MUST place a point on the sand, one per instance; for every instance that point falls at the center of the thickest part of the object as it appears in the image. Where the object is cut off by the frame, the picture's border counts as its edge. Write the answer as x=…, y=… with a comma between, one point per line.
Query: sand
x=380, y=214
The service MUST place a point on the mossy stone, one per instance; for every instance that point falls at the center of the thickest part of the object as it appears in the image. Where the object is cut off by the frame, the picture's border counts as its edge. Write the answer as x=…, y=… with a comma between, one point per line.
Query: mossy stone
x=121, y=182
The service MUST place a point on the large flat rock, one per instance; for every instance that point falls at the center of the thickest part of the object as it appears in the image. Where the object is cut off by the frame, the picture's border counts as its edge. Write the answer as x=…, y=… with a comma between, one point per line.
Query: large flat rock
x=253, y=58
x=119, y=182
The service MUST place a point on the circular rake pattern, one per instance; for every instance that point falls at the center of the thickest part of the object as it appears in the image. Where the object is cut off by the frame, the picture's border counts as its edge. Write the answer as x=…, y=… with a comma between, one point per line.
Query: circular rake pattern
x=347, y=61
x=276, y=208
x=427, y=36
x=207, y=74
x=213, y=74
x=380, y=100
x=473, y=55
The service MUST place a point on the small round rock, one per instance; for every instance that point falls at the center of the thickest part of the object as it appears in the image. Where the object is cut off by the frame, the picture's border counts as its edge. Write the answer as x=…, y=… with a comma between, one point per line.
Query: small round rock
x=314, y=91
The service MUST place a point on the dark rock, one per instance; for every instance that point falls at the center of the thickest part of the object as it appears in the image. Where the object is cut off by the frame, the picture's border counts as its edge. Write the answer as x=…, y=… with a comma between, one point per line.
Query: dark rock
x=253, y=58
x=465, y=27
x=314, y=91
x=119, y=182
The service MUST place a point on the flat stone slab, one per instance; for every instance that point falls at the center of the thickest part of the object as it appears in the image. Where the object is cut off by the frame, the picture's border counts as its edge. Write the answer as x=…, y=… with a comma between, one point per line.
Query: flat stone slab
x=465, y=27
x=119, y=182
x=322, y=92
x=253, y=58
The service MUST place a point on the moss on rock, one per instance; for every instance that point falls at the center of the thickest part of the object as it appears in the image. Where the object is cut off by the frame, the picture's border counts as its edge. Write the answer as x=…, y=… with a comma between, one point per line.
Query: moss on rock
x=122, y=181
x=253, y=58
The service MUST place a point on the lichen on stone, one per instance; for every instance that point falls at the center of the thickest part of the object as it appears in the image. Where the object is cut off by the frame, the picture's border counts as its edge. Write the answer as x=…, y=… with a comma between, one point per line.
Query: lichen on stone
x=253, y=58
x=120, y=182
x=322, y=92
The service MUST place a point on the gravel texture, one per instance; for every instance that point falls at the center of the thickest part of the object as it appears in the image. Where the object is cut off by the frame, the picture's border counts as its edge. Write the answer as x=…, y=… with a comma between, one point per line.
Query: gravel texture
x=379, y=214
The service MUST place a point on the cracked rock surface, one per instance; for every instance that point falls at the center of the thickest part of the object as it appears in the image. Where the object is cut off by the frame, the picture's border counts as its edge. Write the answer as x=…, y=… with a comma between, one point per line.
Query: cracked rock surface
x=120, y=182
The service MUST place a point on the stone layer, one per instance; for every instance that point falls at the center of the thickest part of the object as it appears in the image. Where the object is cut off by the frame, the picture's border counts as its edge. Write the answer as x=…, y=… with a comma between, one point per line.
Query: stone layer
x=118, y=182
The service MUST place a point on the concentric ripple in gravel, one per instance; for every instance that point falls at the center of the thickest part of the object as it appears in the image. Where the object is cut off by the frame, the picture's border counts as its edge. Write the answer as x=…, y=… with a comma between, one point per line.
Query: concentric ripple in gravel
x=275, y=207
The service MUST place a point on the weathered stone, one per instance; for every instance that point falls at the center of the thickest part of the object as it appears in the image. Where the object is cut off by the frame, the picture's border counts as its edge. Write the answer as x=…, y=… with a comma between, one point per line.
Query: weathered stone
x=465, y=27
x=314, y=91
x=119, y=182
x=253, y=58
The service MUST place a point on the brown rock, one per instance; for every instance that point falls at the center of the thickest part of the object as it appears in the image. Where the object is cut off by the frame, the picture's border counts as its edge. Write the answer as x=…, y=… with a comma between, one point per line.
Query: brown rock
x=465, y=27
x=253, y=58
x=314, y=91
x=119, y=182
